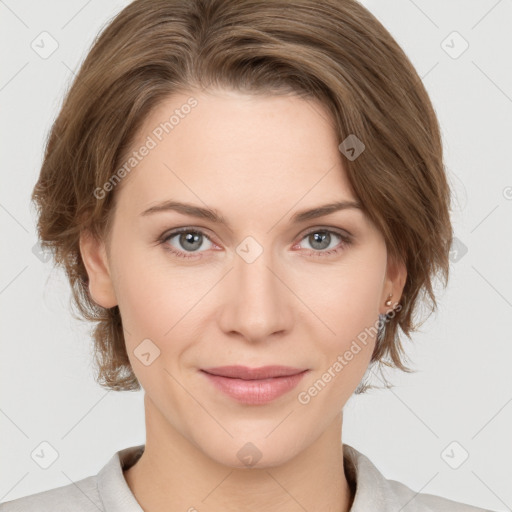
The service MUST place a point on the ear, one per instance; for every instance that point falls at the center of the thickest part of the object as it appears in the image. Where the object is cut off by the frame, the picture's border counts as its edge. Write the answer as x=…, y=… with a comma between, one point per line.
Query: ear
x=396, y=277
x=94, y=256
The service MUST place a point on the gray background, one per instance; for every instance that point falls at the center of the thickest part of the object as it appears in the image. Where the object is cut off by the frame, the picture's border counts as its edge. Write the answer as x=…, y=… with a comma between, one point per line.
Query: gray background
x=462, y=391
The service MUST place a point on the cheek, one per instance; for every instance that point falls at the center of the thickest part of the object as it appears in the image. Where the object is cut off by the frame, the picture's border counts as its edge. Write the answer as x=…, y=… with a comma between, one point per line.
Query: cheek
x=348, y=305
x=145, y=295
x=345, y=298
x=159, y=300
x=151, y=311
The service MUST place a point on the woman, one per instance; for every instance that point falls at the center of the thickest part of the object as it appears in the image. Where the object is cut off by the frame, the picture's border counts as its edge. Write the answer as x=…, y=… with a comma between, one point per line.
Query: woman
x=248, y=198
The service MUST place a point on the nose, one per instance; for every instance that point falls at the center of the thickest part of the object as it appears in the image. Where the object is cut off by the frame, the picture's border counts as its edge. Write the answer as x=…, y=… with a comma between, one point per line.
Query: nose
x=256, y=301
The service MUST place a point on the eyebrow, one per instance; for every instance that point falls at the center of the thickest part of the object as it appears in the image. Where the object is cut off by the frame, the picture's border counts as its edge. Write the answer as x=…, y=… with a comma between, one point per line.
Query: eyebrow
x=214, y=216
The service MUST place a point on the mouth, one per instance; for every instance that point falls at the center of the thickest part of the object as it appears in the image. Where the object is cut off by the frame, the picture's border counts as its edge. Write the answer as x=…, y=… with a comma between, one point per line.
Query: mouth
x=254, y=386
x=247, y=373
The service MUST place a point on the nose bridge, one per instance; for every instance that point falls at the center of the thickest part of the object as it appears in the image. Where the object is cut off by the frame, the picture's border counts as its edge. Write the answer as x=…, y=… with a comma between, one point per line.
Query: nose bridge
x=257, y=304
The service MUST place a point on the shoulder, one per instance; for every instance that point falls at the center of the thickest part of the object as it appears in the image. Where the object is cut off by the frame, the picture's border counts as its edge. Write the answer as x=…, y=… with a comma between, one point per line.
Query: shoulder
x=373, y=491
x=107, y=490
x=81, y=496
x=423, y=502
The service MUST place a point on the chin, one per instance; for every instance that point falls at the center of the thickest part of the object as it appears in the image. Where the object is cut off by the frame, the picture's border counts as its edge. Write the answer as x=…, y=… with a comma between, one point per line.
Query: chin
x=250, y=452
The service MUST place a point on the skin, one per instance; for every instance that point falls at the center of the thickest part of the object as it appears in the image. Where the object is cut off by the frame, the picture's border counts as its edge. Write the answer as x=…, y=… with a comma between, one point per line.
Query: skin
x=257, y=160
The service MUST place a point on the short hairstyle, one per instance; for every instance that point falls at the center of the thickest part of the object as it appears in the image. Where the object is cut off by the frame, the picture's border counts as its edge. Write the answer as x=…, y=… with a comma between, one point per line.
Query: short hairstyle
x=334, y=51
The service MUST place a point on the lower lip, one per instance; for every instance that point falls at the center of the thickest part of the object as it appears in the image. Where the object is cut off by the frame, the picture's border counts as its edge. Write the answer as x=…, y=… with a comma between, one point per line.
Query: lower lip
x=255, y=392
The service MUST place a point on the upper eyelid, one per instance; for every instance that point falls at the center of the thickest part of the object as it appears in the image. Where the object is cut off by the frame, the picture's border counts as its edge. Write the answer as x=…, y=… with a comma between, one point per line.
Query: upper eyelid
x=338, y=231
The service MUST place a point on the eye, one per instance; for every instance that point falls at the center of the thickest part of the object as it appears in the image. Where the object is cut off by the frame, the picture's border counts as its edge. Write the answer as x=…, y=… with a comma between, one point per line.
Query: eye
x=188, y=241
x=321, y=239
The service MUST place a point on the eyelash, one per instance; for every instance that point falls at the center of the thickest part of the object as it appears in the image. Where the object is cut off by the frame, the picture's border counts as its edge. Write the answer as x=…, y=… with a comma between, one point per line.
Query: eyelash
x=345, y=242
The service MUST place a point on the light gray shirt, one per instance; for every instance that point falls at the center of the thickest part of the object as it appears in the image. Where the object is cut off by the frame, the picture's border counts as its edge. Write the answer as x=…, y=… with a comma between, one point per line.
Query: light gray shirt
x=108, y=491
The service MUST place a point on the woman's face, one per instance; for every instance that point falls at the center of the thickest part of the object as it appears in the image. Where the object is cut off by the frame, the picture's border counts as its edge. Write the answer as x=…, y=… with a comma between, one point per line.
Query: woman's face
x=259, y=288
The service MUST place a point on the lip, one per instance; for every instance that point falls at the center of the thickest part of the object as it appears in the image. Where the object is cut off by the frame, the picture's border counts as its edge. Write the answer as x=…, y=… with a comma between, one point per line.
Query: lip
x=247, y=373
x=254, y=386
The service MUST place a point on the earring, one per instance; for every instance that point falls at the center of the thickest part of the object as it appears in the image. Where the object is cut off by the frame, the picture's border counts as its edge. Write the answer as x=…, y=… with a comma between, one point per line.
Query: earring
x=388, y=302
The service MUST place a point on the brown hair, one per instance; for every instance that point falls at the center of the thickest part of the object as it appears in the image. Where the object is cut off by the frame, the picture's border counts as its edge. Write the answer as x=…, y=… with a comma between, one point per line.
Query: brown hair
x=333, y=50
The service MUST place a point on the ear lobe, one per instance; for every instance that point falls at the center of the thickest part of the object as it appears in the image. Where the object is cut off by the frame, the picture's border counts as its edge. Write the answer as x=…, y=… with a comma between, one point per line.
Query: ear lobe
x=395, y=280
x=94, y=256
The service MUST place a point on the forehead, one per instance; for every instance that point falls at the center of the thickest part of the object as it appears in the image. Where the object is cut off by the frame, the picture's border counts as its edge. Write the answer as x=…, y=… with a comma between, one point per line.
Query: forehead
x=228, y=148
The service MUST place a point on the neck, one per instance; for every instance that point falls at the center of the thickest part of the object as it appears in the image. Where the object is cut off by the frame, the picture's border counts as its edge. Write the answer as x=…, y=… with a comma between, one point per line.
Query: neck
x=174, y=474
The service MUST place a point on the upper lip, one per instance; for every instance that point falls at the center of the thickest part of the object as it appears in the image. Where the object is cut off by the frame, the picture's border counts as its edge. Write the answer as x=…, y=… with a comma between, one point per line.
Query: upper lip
x=247, y=373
